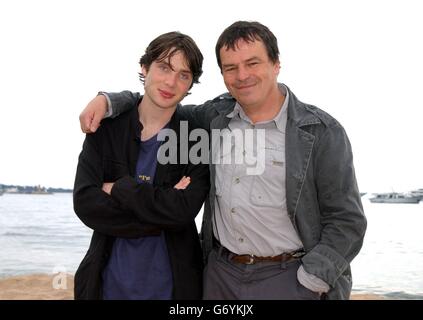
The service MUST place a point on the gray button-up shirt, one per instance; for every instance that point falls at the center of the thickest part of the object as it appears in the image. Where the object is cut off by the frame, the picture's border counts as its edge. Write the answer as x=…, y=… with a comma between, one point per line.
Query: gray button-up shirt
x=250, y=210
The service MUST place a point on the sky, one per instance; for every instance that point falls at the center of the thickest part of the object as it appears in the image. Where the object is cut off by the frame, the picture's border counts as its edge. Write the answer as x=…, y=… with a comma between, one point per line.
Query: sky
x=361, y=61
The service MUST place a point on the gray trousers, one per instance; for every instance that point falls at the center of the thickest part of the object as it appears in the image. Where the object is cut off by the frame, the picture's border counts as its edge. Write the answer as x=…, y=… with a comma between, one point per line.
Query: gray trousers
x=228, y=280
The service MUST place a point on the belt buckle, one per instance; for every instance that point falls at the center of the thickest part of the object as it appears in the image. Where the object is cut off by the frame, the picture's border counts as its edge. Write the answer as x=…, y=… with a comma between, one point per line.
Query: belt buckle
x=298, y=254
x=252, y=260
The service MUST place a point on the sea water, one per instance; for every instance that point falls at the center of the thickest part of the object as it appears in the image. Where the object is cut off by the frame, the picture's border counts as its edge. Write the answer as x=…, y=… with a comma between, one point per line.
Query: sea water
x=42, y=234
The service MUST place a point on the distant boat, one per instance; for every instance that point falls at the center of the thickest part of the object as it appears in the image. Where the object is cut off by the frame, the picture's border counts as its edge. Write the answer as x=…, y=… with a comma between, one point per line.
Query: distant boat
x=1, y=192
x=40, y=190
x=393, y=197
x=416, y=194
x=362, y=193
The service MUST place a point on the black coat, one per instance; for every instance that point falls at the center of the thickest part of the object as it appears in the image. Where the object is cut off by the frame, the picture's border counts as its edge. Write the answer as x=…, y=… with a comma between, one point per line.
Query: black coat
x=134, y=210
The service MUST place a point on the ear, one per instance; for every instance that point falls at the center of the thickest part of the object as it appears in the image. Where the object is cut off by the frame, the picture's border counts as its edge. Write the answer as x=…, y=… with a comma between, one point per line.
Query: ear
x=277, y=67
x=144, y=70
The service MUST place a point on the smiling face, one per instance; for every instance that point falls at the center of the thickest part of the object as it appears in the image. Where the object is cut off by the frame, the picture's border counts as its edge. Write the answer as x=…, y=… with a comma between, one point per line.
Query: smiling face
x=167, y=81
x=249, y=74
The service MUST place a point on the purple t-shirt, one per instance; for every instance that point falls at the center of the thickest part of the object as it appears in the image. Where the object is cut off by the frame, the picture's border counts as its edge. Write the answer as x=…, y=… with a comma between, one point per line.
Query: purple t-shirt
x=140, y=268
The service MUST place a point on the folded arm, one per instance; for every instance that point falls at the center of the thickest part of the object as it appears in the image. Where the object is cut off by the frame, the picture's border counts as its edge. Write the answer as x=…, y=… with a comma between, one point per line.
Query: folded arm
x=96, y=209
x=164, y=207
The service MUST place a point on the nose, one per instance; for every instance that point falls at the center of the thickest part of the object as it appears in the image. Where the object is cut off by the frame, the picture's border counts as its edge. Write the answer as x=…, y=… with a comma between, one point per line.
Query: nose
x=171, y=79
x=242, y=73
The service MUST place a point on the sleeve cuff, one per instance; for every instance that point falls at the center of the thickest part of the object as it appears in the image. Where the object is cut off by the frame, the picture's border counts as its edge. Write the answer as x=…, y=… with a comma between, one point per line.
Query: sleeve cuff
x=122, y=188
x=311, y=282
x=109, y=112
x=325, y=263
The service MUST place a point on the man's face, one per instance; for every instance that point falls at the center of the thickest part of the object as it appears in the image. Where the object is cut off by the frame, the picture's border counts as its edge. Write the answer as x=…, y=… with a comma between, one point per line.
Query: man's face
x=248, y=73
x=167, y=82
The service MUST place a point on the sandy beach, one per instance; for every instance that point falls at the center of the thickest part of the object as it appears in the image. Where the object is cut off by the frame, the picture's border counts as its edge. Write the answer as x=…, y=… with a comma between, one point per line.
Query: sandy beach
x=60, y=287
x=37, y=287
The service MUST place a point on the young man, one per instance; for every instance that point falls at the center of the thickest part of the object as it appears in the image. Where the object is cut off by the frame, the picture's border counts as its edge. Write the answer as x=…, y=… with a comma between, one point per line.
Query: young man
x=145, y=243
x=291, y=231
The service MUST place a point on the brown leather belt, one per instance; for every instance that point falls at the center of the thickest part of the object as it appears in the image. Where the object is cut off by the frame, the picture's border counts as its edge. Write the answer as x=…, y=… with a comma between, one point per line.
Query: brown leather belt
x=252, y=259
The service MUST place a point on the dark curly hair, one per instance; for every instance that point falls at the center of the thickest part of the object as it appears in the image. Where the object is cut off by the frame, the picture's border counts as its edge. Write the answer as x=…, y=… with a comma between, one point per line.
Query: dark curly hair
x=166, y=45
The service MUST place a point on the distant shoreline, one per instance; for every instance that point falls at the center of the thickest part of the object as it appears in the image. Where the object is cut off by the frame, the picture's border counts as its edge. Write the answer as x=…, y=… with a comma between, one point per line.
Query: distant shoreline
x=37, y=193
x=41, y=287
x=18, y=189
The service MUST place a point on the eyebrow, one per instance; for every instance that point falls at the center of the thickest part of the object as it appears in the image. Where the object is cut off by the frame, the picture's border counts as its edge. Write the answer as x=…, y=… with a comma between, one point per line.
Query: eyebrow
x=228, y=65
x=246, y=61
x=185, y=71
x=170, y=66
x=252, y=59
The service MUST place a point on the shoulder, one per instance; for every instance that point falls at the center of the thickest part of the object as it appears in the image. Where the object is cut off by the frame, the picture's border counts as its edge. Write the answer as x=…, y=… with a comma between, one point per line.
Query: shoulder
x=222, y=104
x=315, y=121
x=119, y=121
x=115, y=127
x=203, y=114
x=328, y=120
x=308, y=114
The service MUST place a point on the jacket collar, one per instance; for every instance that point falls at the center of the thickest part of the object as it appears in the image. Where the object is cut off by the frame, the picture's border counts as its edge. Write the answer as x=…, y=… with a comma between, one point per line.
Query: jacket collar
x=299, y=113
x=136, y=126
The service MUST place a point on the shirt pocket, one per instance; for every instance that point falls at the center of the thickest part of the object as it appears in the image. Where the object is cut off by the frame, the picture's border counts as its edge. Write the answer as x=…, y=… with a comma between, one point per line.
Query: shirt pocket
x=114, y=170
x=268, y=188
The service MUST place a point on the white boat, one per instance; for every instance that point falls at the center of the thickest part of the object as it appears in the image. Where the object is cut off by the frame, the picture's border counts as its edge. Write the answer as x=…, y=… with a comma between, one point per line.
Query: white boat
x=416, y=194
x=393, y=197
